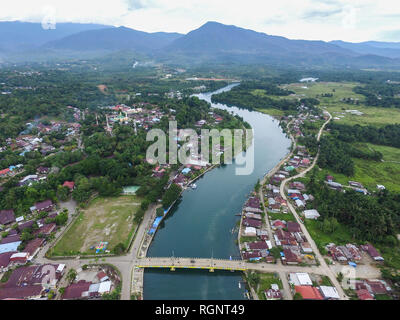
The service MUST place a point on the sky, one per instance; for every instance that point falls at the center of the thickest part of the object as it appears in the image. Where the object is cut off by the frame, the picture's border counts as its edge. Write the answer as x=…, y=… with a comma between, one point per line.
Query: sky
x=348, y=20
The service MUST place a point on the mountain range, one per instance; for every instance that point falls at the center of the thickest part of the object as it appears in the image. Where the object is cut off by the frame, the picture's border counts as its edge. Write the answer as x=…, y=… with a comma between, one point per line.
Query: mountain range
x=212, y=42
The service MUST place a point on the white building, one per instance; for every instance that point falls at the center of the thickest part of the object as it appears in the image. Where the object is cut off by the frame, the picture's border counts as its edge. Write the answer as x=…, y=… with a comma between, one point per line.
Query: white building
x=329, y=292
x=300, y=279
x=311, y=214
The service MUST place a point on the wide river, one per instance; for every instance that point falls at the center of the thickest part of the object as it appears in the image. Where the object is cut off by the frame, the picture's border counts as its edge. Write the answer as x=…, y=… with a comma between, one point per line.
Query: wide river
x=201, y=224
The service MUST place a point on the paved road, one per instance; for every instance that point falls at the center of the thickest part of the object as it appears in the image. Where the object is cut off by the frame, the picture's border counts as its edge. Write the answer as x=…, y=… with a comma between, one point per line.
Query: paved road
x=323, y=266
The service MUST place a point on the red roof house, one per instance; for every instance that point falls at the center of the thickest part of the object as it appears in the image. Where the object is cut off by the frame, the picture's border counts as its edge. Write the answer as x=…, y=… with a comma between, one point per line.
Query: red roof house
x=308, y=292
x=69, y=184
x=4, y=172
x=363, y=294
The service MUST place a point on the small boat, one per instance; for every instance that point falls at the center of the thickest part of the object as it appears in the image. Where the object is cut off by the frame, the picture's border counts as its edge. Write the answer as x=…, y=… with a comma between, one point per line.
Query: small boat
x=193, y=186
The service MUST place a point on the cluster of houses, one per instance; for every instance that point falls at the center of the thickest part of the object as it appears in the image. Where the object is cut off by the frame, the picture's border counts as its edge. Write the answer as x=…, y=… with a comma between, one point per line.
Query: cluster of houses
x=303, y=284
x=27, y=142
x=31, y=282
x=11, y=171
x=185, y=174
x=344, y=254
x=369, y=289
x=252, y=226
x=289, y=236
x=12, y=252
x=103, y=282
x=142, y=115
x=356, y=186
x=351, y=253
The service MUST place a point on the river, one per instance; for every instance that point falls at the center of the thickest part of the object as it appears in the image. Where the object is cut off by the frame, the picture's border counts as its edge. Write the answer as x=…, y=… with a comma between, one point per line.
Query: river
x=200, y=225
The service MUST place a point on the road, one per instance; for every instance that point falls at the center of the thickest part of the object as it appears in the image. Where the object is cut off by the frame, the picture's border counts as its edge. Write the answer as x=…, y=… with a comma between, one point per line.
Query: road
x=324, y=268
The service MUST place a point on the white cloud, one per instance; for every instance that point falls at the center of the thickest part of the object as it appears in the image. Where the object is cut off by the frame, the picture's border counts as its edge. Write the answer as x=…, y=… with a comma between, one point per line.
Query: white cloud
x=351, y=20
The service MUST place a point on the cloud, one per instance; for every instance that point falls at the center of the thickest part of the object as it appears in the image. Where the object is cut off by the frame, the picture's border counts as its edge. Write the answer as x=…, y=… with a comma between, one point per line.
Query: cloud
x=297, y=19
x=138, y=4
x=321, y=13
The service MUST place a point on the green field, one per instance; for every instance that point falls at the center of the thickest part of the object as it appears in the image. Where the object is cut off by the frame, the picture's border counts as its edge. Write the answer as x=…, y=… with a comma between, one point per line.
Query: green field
x=370, y=173
x=341, y=236
x=272, y=112
x=372, y=115
x=106, y=219
x=281, y=216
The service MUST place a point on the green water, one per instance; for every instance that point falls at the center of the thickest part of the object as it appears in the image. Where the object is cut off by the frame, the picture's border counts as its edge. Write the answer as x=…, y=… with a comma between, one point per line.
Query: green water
x=201, y=224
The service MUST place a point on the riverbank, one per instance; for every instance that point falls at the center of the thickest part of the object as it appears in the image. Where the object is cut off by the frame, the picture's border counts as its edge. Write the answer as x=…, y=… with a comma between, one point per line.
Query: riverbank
x=201, y=224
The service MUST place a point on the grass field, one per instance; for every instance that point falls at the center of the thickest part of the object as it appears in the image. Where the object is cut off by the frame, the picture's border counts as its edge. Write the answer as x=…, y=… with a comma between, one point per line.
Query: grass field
x=340, y=90
x=281, y=216
x=271, y=112
x=341, y=236
x=370, y=173
x=106, y=219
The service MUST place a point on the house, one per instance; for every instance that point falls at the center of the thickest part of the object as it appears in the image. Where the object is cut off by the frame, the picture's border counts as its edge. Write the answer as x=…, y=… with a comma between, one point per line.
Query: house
x=9, y=247
x=252, y=223
x=33, y=246
x=334, y=185
x=306, y=247
x=273, y=294
x=77, y=290
x=24, y=225
x=42, y=170
x=376, y=287
x=311, y=214
x=19, y=258
x=299, y=203
x=28, y=180
x=11, y=238
x=102, y=276
x=363, y=294
x=26, y=292
x=308, y=292
x=290, y=257
x=4, y=172
x=5, y=260
x=257, y=245
x=372, y=252
x=7, y=216
x=252, y=256
x=250, y=232
x=300, y=279
x=28, y=282
x=278, y=224
x=69, y=184
x=293, y=226
x=329, y=293
x=46, y=205
x=46, y=229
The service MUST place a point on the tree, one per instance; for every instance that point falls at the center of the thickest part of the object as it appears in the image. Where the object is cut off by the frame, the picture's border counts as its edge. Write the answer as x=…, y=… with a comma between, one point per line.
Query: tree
x=276, y=253
x=62, y=193
x=171, y=195
x=297, y=296
x=119, y=248
x=62, y=218
x=160, y=212
x=71, y=275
